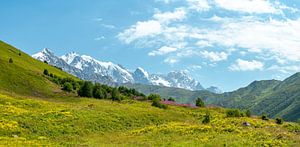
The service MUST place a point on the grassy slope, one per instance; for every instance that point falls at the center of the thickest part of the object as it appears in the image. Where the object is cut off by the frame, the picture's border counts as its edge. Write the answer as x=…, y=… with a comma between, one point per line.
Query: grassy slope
x=99, y=122
x=27, y=118
x=272, y=97
x=24, y=75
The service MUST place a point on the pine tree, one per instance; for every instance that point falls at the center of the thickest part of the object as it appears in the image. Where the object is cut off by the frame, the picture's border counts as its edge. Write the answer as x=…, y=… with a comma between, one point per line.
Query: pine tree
x=199, y=102
x=86, y=90
x=98, y=92
x=46, y=72
x=248, y=113
x=115, y=95
x=11, y=60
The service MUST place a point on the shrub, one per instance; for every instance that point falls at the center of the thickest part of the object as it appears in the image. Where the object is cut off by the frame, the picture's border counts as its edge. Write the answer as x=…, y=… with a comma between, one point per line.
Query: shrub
x=279, y=121
x=46, y=72
x=51, y=75
x=248, y=113
x=20, y=54
x=156, y=103
x=207, y=118
x=115, y=95
x=76, y=85
x=264, y=117
x=86, y=90
x=234, y=113
x=67, y=87
x=11, y=60
x=154, y=96
x=171, y=99
x=199, y=102
x=45, y=62
x=98, y=92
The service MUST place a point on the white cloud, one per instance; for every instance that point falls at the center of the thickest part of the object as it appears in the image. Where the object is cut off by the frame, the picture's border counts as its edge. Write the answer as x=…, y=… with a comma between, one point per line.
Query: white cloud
x=199, y=5
x=171, y=60
x=280, y=39
x=99, y=38
x=285, y=69
x=203, y=43
x=177, y=15
x=140, y=30
x=214, y=56
x=108, y=26
x=243, y=65
x=162, y=51
x=248, y=6
x=194, y=68
x=248, y=33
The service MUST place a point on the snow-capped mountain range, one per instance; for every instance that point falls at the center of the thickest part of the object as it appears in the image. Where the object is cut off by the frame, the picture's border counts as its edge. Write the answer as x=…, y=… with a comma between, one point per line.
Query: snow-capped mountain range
x=88, y=68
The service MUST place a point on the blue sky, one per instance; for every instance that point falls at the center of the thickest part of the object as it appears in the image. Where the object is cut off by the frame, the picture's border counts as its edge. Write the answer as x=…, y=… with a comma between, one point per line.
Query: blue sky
x=224, y=43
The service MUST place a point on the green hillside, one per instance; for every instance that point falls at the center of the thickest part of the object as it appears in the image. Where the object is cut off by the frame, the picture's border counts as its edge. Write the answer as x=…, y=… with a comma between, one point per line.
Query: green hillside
x=271, y=97
x=24, y=75
x=36, y=112
x=100, y=123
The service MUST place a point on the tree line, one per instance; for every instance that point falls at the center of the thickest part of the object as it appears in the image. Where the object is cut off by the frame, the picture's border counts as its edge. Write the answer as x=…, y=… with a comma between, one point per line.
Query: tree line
x=94, y=90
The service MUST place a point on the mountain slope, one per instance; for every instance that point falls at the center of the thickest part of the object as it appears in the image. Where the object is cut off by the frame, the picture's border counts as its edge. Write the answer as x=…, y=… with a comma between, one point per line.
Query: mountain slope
x=25, y=75
x=272, y=97
x=284, y=99
x=31, y=115
x=64, y=63
x=89, y=122
x=88, y=68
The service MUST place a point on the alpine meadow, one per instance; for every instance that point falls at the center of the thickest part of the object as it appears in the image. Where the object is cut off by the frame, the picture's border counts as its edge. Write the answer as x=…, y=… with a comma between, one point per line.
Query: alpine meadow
x=150, y=73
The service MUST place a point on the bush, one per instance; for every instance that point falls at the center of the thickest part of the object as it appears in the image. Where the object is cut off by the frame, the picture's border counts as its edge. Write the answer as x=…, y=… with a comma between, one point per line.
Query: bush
x=154, y=96
x=279, y=121
x=248, y=113
x=156, y=103
x=76, y=86
x=115, y=95
x=45, y=62
x=86, y=90
x=67, y=87
x=199, y=103
x=20, y=54
x=11, y=60
x=46, y=72
x=264, y=117
x=171, y=99
x=207, y=118
x=98, y=92
x=234, y=113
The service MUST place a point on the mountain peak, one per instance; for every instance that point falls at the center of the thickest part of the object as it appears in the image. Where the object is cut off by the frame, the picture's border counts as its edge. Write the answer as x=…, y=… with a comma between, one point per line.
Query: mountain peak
x=47, y=50
x=69, y=57
x=142, y=71
x=89, y=68
x=141, y=76
x=87, y=58
x=214, y=89
x=44, y=55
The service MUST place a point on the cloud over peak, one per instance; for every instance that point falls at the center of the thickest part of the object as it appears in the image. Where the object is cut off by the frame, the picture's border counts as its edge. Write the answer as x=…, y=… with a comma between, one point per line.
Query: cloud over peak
x=244, y=65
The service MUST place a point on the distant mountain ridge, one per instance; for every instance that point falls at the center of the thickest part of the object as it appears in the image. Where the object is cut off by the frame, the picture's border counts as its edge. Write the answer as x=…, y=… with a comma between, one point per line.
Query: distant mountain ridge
x=88, y=68
x=271, y=97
